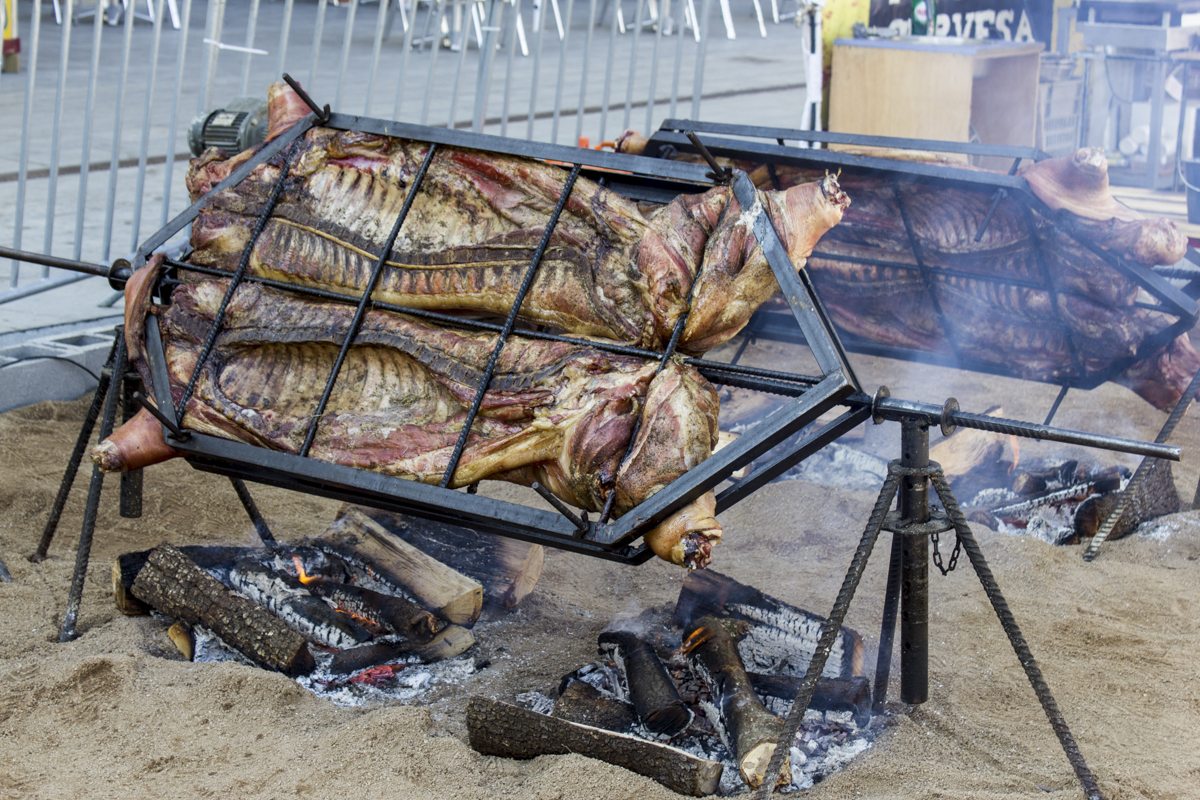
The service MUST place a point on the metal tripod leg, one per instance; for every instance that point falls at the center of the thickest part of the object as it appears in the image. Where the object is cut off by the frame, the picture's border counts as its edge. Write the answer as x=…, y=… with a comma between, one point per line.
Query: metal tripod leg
x=829, y=632
x=260, y=524
x=131, y=480
x=81, y=443
x=1034, y=673
x=83, y=552
x=887, y=630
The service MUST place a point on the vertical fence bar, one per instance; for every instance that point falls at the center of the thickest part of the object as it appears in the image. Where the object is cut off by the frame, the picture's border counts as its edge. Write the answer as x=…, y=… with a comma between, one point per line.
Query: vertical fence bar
x=408, y=44
x=562, y=71
x=85, y=150
x=144, y=143
x=284, y=32
x=463, y=39
x=633, y=60
x=380, y=27
x=677, y=69
x=216, y=10
x=487, y=49
x=251, y=30
x=659, y=23
x=118, y=120
x=698, y=73
x=583, y=72
x=608, y=67
x=173, y=124
x=56, y=131
x=23, y=166
x=437, y=48
x=508, y=69
x=347, y=37
x=318, y=34
x=540, y=23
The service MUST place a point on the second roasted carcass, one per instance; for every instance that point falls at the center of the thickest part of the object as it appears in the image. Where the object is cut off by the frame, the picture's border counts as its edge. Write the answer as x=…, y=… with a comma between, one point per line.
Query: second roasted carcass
x=558, y=413
x=1021, y=287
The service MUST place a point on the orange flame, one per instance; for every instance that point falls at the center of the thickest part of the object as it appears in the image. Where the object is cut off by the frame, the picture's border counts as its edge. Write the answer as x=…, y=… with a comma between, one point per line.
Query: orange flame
x=1015, y=442
x=304, y=577
x=359, y=618
x=695, y=639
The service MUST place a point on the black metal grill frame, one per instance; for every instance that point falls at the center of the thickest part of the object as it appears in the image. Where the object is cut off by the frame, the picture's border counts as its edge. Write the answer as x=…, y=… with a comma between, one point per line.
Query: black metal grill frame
x=770, y=146
x=790, y=434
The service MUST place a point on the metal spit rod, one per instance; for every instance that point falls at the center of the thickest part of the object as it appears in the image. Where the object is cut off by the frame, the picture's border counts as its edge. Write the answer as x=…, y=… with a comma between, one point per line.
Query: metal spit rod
x=882, y=405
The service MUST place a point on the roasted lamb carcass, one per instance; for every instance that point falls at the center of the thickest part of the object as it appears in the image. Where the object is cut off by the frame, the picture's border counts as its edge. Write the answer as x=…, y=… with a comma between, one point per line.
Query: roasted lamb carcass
x=558, y=413
x=1061, y=312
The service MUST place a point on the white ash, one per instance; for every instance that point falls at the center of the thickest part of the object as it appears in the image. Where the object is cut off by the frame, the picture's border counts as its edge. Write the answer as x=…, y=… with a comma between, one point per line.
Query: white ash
x=840, y=465
x=1165, y=528
x=536, y=701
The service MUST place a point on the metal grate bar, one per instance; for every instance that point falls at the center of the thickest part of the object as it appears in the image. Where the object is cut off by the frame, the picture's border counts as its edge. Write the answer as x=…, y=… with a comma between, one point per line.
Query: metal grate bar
x=234, y=281
x=509, y=324
x=361, y=310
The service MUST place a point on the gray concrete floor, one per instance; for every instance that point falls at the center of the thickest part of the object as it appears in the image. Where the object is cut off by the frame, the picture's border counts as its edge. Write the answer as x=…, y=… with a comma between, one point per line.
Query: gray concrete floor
x=747, y=79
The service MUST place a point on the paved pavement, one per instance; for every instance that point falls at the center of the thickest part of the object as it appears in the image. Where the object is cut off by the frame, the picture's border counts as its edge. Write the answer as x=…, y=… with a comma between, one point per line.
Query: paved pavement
x=747, y=79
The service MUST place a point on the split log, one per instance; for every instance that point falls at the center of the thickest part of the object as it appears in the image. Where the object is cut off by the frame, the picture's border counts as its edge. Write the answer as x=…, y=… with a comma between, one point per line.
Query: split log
x=651, y=690
x=176, y=586
x=967, y=449
x=508, y=569
x=450, y=641
x=745, y=725
x=126, y=567
x=583, y=703
x=393, y=614
x=780, y=638
x=831, y=694
x=181, y=636
x=454, y=596
x=502, y=729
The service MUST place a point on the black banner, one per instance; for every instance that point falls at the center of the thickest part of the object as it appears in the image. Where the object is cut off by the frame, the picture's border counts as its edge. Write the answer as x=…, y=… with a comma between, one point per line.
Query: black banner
x=1012, y=20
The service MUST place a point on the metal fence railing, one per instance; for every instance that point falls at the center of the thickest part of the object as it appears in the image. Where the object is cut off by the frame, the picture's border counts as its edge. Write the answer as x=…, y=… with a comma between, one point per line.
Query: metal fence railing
x=107, y=91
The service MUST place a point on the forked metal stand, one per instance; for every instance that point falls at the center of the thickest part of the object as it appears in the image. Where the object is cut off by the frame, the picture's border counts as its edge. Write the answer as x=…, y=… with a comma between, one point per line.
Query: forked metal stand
x=914, y=526
x=117, y=383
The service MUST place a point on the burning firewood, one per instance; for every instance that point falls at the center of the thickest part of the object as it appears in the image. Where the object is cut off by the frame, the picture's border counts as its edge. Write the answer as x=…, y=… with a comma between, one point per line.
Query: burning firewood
x=748, y=729
x=583, y=703
x=651, y=690
x=830, y=694
x=174, y=584
x=454, y=596
x=507, y=569
x=501, y=729
x=289, y=600
x=1154, y=497
x=780, y=637
x=450, y=641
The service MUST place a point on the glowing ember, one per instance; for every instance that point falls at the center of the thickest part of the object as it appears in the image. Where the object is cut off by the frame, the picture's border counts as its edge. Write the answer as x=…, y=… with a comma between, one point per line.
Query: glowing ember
x=694, y=640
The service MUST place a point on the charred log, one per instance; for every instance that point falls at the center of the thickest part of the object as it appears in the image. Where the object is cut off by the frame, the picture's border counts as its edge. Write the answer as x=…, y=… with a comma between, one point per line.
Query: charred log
x=450, y=641
x=502, y=729
x=176, y=586
x=583, y=703
x=1154, y=496
x=506, y=568
x=285, y=597
x=780, y=637
x=748, y=729
x=651, y=689
x=391, y=613
x=452, y=595
x=831, y=694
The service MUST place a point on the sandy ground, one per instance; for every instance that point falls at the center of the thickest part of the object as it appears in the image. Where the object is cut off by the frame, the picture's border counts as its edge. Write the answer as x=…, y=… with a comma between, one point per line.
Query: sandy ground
x=117, y=713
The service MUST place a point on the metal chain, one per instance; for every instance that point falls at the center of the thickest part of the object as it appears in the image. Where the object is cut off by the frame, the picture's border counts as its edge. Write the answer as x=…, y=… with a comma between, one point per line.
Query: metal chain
x=937, y=554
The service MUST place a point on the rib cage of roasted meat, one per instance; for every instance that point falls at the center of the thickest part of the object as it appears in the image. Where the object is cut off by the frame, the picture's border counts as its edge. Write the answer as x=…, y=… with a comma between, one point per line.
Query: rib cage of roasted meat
x=558, y=413
x=1010, y=286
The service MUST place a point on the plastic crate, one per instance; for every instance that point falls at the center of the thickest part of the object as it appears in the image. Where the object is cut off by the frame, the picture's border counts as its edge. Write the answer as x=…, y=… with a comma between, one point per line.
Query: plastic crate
x=1060, y=103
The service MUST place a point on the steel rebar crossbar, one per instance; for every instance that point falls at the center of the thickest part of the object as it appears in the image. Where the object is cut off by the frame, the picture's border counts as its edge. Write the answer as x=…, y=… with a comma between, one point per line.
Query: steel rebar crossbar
x=509, y=323
x=361, y=310
x=234, y=281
